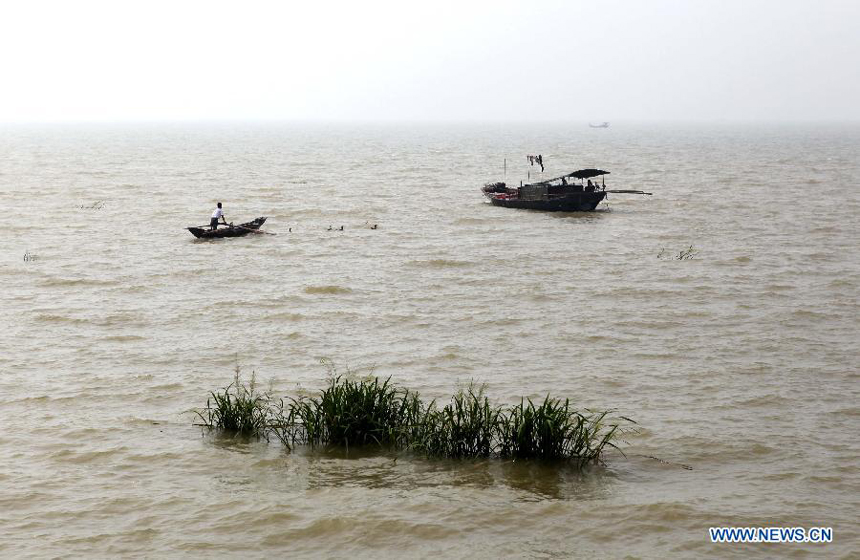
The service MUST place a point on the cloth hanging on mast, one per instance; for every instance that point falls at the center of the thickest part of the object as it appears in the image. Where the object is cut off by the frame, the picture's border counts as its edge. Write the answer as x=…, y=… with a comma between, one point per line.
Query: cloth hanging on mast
x=538, y=159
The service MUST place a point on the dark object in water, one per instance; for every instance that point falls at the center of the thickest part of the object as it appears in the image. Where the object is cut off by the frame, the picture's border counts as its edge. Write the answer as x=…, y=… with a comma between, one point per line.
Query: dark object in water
x=555, y=195
x=559, y=194
x=203, y=232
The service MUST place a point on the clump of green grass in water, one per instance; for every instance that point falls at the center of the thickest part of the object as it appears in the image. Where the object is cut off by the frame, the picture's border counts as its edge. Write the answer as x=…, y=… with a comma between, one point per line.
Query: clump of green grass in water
x=470, y=426
x=553, y=430
x=351, y=412
x=465, y=427
x=239, y=408
x=373, y=411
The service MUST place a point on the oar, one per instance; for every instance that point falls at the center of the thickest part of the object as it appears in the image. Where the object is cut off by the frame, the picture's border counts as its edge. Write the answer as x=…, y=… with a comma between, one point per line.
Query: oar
x=625, y=191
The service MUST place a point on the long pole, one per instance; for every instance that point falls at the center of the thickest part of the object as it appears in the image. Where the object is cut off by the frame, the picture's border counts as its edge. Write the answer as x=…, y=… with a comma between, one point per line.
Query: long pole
x=506, y=169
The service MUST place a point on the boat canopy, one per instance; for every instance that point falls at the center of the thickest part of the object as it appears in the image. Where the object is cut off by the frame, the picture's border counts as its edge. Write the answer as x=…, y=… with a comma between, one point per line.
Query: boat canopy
x=581, y=174
x=587, y=173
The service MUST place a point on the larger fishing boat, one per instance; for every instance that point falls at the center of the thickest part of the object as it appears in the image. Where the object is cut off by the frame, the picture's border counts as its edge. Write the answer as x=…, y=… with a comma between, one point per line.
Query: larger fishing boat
x=568, y=193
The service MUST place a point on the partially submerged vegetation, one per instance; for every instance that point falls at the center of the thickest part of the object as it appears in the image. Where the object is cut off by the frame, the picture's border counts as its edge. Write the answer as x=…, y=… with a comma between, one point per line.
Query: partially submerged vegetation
x=238, y=408
x=348, y=412
x=683, y=255
x=373, y=411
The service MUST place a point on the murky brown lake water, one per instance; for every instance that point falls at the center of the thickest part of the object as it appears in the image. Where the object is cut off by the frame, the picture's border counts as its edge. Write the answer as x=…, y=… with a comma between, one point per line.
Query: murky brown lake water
x=741, y=363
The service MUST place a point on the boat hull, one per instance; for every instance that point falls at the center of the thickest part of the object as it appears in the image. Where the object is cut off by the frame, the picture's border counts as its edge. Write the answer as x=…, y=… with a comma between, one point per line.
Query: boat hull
x=229, y=231
x=576, y=202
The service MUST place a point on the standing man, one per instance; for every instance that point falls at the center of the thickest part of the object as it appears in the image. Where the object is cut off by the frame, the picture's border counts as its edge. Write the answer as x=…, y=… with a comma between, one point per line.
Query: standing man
x=218, y=213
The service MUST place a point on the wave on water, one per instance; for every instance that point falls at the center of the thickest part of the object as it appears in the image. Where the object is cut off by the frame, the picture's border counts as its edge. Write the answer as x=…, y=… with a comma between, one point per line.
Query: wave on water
x=286, y=316
x=472, y=221
x=62, y=282
x=327, y=290
x=79, y=457
x=51, y=318
x=441, y=263
x=291, y=336
x=121, y=318
x=122, y=338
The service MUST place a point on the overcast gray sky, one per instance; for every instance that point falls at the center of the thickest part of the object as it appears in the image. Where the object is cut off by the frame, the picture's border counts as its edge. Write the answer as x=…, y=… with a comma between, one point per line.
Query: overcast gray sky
x=439, y=60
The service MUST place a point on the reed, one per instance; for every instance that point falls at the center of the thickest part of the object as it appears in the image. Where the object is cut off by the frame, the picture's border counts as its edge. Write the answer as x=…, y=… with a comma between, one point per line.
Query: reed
x=239, y=408
x=465, y=427
x=374, y=411
x=553, y=430
x=350, y=412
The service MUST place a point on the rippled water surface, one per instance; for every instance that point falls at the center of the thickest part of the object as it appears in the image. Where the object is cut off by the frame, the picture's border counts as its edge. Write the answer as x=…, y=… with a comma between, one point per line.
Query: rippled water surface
x=741, y=363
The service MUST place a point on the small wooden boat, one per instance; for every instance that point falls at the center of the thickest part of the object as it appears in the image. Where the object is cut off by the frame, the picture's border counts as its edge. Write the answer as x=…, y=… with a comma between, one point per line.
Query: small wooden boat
x=203, y=232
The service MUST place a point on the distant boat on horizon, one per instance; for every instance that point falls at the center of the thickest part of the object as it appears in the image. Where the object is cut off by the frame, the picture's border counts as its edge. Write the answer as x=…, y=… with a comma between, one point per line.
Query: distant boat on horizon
x=604, y=124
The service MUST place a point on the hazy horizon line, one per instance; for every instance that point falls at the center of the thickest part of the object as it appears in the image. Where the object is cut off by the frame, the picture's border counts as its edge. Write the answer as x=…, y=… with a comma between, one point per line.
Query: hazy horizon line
x=514, y=122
